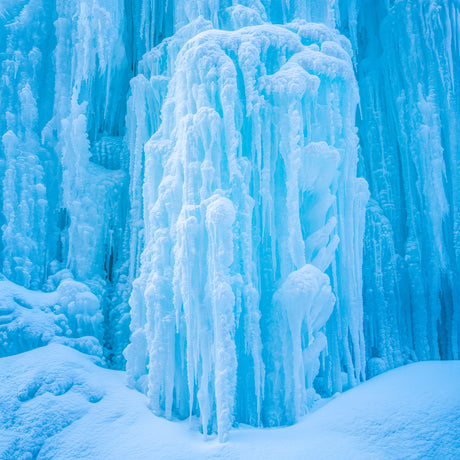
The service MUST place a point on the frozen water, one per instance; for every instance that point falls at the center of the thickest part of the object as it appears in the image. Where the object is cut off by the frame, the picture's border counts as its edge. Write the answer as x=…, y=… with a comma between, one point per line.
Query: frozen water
x=246, y=184
x=409, y=77
x=69, y=315
x=180, y=188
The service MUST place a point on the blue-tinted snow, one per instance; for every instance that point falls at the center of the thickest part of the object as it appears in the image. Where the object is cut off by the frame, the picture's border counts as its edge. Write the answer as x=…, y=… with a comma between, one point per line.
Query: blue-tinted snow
x=57, y=403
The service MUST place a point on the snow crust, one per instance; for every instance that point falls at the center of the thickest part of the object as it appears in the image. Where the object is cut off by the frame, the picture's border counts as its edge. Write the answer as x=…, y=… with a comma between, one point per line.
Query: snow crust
x=58, y=403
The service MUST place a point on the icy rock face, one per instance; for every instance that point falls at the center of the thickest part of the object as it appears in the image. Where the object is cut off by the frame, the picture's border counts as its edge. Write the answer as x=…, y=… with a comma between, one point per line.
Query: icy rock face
x=84, y=109
x=23, y=167
x=250, y=185
x=409, y=74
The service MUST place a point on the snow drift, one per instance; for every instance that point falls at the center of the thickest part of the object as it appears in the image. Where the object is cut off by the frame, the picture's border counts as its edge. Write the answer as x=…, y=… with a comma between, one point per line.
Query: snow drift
x=87, y=412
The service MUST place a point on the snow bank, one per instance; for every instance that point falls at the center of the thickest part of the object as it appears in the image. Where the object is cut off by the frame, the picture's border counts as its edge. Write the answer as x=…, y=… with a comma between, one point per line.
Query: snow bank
x=57, y=403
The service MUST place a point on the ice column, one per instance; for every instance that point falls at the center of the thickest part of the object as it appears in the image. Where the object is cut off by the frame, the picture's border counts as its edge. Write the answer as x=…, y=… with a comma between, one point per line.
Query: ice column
x=250, y=203
x=25, y=164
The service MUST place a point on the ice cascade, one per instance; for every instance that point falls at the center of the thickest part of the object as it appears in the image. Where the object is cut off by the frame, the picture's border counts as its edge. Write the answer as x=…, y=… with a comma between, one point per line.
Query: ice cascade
x=253, y=216
x=180, y=190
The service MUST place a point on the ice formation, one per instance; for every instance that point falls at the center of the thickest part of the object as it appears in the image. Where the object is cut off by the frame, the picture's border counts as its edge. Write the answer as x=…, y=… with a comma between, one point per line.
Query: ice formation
x=69, y=315
x=249, y=179
x=181, y=180
x=409, y=77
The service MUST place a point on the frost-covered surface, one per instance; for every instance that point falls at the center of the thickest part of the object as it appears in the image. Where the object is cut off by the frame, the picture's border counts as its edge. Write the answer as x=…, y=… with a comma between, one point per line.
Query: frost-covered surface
x=64, y=79
x=68, y=315
x=181, y=177
x=56, y=403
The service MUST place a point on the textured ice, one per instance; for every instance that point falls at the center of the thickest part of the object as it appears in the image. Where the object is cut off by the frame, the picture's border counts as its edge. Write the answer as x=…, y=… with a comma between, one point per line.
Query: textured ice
x=409, y=77
x=246, y=184
x=180, y=187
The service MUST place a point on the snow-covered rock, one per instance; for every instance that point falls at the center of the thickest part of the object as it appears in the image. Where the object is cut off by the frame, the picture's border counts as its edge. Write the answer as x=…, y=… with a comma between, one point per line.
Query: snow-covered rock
x=30, y=319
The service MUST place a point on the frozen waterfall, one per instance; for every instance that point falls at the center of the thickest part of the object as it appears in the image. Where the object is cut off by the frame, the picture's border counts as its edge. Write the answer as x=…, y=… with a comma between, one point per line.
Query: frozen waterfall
x=252, y=212
x=246, y=204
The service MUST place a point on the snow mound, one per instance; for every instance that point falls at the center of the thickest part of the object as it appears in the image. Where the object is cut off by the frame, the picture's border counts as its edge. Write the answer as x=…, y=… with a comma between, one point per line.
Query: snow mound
x=57, y=403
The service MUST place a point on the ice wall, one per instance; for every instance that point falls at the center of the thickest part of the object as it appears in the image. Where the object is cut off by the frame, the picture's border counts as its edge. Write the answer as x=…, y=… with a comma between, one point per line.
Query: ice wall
x=25, y=161
x=408, y=75
x=65, y=74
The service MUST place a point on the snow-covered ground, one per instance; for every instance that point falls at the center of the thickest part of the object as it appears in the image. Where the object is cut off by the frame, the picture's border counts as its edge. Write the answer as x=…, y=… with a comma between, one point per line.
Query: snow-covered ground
x=57, y=403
